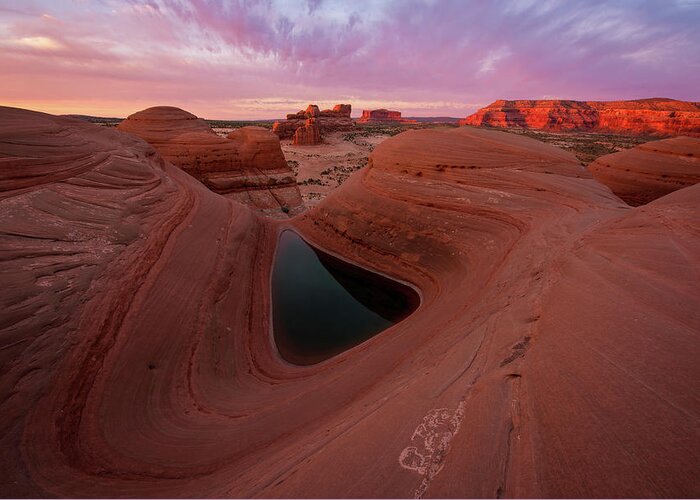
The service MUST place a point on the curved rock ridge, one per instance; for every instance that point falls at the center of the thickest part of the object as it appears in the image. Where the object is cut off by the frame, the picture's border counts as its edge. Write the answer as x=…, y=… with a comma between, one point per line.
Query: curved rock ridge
x=89, y=217
x=382, y=116
x=651, y=170
x=159, y=124
x=553, y=354
x=328, y=120
x=247, y=166
x=656, y=116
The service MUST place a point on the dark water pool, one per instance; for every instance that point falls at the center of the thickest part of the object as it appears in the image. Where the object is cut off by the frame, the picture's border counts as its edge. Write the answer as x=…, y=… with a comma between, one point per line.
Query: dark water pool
x=322, y=306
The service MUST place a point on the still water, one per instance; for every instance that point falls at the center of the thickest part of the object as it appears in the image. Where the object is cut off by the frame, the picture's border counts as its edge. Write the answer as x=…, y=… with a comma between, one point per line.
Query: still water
x=322, y=306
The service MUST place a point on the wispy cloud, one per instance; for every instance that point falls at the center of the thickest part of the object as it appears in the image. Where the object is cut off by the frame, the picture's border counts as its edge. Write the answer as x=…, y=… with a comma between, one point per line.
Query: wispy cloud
x=221, y=59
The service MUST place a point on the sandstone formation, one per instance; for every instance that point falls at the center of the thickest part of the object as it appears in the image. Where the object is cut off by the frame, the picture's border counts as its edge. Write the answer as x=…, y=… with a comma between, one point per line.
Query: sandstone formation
x=247, y=166
x=328, y=120
x=554, y=353
x=651, y=170
x=308, y=135
x=644, y=116
x=342, y=110
x=382, y=116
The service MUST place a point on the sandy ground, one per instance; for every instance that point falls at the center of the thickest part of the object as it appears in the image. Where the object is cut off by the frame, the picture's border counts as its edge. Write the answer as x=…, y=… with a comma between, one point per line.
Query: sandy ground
x=321, y=169
x=586, y=146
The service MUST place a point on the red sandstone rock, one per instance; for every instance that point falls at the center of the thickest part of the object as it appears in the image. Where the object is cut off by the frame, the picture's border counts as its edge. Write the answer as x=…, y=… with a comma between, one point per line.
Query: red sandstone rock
x=312, y=111
x=327, y=120
x=159, y=124
x=651, y=170
x=554, y=353
x=308, y=135
x=285, y=129
x=247, y=166
x=342, y=110
x=382, y=116
x=644, y=116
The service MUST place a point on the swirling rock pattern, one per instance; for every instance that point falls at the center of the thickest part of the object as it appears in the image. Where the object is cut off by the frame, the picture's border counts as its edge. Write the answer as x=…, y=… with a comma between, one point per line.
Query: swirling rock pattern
x=643, y=116
x=247, y=166
x=651, y=170
x=554, y=352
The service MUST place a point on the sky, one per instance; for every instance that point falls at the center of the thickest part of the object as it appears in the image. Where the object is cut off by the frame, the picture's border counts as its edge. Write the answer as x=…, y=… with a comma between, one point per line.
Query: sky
x=245, y=59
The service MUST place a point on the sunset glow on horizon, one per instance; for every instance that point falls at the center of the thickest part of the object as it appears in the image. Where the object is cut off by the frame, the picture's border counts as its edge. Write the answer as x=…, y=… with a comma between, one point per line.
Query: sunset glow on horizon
x=261, y=60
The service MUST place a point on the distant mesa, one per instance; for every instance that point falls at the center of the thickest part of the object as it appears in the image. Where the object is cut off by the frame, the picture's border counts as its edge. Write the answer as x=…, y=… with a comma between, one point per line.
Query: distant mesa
x=658, y=116
x=651, y=170
x=247, y=166
x=326, y=121
x=382, y=116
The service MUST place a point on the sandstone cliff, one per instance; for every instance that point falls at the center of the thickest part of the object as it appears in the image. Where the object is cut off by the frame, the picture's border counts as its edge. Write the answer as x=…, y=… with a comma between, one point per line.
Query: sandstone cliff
x=247, y=166
x=644, y=116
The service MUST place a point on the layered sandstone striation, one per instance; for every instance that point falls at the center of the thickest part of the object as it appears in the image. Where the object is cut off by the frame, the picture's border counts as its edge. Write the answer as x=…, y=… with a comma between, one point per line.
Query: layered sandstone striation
x=382, y=116
x=327, y=121
x=651, y=170
x=248, y=165
x=656, y=116
x=554, y=353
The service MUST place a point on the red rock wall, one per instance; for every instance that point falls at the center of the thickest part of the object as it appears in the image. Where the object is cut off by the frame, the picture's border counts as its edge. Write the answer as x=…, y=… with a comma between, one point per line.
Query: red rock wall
x=308, y=135
x=646, y=116
x=285, y=129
